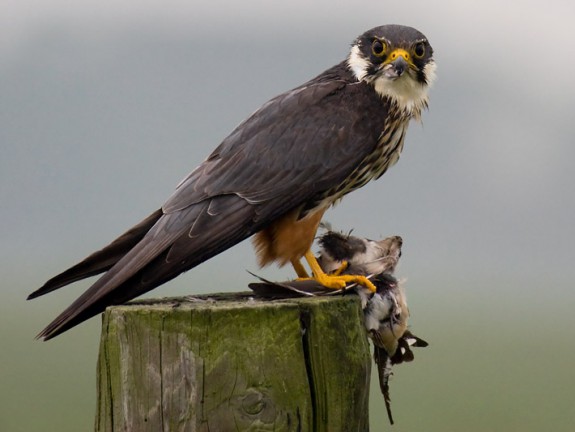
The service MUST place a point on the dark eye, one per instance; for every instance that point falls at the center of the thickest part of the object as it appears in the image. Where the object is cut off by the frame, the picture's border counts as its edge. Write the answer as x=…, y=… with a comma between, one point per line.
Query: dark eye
x=419, y=50
x=378, y=48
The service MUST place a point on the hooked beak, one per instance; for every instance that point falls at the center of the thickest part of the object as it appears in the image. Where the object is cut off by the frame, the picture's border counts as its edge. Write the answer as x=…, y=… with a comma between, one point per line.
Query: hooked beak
x=398, y=62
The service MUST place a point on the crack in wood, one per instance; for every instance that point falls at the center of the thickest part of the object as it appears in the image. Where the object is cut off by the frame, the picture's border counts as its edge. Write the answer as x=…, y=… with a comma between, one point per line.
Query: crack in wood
x=305, y=323
x=241, y=364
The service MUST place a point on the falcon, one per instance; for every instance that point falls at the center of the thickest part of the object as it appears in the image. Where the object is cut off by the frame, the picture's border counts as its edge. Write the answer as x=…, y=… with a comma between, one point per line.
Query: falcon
x=272, y=178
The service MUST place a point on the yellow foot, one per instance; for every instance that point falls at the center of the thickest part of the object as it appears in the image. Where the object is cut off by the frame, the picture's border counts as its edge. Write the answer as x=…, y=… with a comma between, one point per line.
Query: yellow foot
x=335, y=281
x=341, y=268
x=340, y=282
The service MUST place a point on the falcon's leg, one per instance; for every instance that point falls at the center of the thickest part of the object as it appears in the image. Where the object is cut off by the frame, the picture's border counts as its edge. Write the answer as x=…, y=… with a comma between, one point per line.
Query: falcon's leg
x=335, y=281
x=299, y=268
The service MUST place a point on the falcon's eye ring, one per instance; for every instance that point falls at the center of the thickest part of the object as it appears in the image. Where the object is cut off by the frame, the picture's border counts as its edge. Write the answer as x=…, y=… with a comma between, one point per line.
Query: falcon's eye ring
x=419, y=50
x=378, y=48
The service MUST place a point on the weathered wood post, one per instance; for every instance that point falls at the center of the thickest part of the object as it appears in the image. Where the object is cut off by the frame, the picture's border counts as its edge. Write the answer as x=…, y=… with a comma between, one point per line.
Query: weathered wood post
x=229, y=362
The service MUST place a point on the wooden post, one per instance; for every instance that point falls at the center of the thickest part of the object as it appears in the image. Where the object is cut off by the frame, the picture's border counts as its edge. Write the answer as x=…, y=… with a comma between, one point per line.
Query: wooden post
x=232, y=362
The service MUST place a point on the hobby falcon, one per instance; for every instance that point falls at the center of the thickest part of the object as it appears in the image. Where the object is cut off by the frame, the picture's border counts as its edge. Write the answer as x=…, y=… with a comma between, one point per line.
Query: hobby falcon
x=274, y=176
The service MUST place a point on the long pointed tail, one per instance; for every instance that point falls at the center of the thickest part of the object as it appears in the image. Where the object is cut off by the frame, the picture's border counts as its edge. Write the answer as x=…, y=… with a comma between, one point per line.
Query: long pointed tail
x=102, y=260
x=176, y=242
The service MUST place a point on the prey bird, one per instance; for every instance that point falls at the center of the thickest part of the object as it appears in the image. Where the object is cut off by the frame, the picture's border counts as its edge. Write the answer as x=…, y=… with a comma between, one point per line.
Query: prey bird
x=385, y=318
x=385, y=311
x=273, y=177
x=340, y=254
x=358, y=255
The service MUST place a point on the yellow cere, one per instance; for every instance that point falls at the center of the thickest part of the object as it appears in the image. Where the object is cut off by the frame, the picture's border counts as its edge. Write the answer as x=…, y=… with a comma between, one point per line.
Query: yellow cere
x=399, y=52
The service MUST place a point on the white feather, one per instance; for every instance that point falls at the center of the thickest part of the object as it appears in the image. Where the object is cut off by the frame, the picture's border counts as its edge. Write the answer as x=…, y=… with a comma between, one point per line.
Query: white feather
x=409, y=94
x=357, y=63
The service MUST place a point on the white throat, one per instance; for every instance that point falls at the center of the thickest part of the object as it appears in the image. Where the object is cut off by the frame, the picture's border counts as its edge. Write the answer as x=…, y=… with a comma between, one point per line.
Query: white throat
x=409, y=94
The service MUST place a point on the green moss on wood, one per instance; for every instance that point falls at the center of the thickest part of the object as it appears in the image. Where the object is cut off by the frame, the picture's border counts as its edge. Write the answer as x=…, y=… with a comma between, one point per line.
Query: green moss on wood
x=234, y=363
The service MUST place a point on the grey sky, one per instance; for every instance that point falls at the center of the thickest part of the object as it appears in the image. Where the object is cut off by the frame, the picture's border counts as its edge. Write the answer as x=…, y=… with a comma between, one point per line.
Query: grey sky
x=106, y=105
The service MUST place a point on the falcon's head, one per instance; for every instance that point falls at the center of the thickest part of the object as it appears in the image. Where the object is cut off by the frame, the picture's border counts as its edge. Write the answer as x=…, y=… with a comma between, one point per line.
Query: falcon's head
x=398, y=62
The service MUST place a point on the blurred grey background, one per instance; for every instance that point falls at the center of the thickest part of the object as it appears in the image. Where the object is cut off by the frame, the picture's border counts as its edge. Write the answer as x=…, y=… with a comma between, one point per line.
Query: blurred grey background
x=106, y=105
